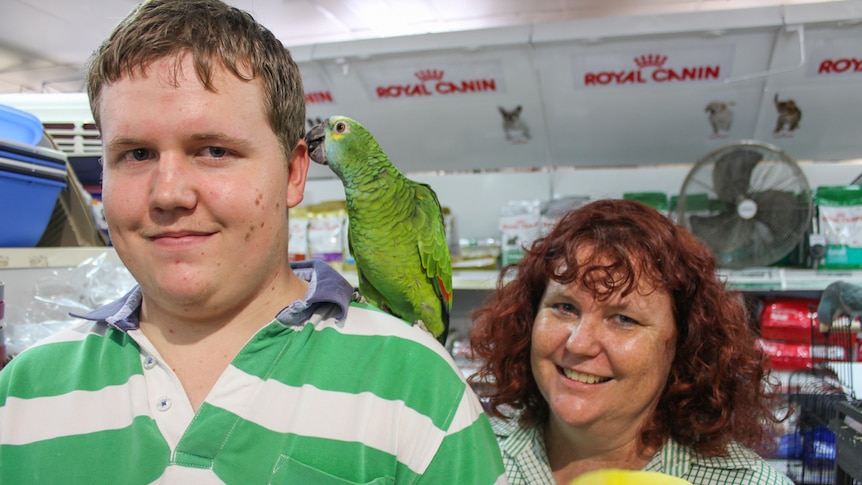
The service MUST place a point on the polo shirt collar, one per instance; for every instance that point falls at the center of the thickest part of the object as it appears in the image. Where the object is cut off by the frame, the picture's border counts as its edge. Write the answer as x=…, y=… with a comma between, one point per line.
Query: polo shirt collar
x=325, y=286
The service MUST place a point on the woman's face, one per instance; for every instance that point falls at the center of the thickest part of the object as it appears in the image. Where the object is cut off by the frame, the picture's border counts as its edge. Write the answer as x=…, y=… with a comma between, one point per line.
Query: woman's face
x=602, y=365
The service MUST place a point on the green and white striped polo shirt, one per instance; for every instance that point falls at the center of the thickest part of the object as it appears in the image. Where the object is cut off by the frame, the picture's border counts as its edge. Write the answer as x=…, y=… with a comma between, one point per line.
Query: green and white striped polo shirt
x=328, y=392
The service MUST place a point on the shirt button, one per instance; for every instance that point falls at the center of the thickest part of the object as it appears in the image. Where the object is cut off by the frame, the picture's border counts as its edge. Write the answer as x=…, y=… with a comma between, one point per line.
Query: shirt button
x=163, y=404
x=149, y=363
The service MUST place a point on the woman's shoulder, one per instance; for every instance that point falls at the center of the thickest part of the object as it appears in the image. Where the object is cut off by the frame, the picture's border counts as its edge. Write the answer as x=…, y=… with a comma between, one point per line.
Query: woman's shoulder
x=740, y=466
x=761, y=471
x=513, y=436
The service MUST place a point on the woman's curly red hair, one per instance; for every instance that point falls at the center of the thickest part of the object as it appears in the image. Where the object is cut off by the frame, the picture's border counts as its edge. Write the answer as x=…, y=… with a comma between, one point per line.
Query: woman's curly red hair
x=716, y=391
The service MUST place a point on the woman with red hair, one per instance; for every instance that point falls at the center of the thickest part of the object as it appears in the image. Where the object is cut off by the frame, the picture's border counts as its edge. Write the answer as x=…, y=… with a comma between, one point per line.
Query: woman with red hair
x=614, y=344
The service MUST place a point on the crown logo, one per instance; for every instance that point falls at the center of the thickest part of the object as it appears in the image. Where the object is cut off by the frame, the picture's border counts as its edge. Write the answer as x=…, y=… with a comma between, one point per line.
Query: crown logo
x=429, y=75
x=650, y=60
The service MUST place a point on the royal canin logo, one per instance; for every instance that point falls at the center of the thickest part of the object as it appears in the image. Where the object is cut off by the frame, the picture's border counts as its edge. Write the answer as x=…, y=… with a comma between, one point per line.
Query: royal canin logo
x=840, y=66
x=429, y=75
x=651, y=69
x=318, y=97
x=841, y=218
x=431, y=83
x=650, y=60
x=519, y=224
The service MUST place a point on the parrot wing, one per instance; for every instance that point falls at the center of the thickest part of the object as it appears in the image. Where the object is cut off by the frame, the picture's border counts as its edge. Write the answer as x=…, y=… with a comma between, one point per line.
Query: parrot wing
x=431, y=243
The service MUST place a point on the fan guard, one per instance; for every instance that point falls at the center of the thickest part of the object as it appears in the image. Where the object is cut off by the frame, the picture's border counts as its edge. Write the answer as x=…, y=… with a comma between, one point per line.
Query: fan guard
x=749, y=202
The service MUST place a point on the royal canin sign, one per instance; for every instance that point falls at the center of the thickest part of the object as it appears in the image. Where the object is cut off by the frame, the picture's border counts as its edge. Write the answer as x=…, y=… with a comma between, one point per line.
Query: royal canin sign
x=835, y=58
x=650, y=69
x=431, y=83
x=839, y=66
x=318, y=97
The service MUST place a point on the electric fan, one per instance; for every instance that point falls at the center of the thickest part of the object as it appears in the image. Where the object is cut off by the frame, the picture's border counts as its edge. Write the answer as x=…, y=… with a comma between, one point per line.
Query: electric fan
x=757, y=208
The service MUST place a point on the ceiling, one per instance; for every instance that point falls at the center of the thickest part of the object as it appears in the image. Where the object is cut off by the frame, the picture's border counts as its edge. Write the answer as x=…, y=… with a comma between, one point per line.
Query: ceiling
x=45, y=43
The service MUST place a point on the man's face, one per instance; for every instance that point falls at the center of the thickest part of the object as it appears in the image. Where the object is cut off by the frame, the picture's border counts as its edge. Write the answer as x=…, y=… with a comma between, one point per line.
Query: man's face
x=196, y=188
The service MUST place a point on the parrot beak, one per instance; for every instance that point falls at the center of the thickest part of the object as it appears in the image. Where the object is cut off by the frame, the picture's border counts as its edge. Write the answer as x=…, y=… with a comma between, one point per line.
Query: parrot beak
x=314, y=138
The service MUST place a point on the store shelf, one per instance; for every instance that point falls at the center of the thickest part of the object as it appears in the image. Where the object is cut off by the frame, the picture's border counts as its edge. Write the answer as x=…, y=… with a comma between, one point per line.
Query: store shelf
x=754, y=279
x=52, y=257
x=787, y=279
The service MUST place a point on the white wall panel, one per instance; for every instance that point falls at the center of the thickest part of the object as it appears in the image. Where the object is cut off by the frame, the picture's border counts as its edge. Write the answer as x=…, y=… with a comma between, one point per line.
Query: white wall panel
x=429, y=124
x=476, y=198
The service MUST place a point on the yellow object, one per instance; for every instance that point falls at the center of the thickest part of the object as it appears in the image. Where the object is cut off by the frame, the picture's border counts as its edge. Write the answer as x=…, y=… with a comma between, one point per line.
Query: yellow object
x=627, y=477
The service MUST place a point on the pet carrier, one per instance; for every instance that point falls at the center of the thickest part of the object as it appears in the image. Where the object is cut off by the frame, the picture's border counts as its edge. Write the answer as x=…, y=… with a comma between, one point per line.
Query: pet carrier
x=818, y=395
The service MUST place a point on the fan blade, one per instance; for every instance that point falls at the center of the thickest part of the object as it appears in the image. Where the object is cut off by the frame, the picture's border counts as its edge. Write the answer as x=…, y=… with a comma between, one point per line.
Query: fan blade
x=732, y=174
x=778, y=210
x=722, y=232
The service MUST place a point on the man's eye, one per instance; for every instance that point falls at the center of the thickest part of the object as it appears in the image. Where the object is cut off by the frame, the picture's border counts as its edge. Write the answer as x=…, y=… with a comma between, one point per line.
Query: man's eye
x=217, y=152
x=140, y=154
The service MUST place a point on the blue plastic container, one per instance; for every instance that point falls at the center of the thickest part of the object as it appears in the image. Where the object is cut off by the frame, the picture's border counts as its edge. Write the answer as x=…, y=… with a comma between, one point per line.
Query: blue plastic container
x=19, y=126
x=37, y=161
x=26, y=205
x=31, y=179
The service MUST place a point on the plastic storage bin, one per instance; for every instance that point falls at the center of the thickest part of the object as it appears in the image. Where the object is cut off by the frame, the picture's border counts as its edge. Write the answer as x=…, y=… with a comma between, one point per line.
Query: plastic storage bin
x=19, y=126
x=31, y=179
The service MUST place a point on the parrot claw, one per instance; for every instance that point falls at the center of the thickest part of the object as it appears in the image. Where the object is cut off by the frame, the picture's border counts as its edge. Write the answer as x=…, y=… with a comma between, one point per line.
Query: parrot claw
x=421, y=324
x=358, y=298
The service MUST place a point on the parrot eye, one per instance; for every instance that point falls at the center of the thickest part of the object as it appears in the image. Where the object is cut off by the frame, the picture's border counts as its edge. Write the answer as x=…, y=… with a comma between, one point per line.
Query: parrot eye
x=340, y=127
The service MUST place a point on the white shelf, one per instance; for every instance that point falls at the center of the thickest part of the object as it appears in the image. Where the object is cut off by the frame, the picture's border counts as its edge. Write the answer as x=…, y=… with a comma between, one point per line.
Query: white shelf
x=754, y=279
x=461, y=279
x=787, y=279
x=23, y=258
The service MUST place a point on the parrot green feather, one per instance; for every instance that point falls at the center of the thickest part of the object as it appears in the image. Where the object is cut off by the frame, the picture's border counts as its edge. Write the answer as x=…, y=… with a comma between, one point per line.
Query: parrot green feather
x=395, y=227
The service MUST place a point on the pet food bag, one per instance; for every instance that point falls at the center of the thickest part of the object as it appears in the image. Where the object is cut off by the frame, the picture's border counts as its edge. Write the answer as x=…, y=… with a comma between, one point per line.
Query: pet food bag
x=554, y=209
x=656, y=200
x=297, y=249
x=326, y=230
x=520, y=225
x=840, y=222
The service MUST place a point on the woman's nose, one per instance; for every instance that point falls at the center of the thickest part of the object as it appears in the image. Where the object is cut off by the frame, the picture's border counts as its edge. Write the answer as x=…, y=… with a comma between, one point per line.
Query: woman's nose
x=585, y=335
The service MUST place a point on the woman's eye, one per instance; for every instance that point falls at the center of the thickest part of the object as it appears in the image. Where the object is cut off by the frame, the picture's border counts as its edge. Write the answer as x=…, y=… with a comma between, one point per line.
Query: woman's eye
x=624, y=320
x=566, y=308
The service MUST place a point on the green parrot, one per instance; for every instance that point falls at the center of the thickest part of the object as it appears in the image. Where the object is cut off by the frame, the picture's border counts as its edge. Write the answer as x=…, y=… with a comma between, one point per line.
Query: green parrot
x=395, y=227
x=840, y=299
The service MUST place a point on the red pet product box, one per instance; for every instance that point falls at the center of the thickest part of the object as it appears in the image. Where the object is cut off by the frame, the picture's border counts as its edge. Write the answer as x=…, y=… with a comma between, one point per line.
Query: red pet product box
x=791, y=338
x=795, y=356
x=790, y=320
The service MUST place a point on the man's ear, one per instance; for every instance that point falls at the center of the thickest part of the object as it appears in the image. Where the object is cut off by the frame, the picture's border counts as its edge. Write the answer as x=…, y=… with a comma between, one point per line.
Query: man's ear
x=297, y=173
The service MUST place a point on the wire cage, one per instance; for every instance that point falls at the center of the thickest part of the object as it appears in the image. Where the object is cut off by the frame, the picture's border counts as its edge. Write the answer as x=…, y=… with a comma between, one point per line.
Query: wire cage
x=817, y=396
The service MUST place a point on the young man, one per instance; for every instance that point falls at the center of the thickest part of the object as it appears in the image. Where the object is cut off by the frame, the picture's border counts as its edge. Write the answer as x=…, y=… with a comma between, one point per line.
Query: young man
x=225, y=364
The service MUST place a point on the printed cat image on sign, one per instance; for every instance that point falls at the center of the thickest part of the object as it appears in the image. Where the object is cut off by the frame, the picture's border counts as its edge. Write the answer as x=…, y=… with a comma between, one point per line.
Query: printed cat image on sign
x=788, y=117
x=720, y=118
x=515, y=129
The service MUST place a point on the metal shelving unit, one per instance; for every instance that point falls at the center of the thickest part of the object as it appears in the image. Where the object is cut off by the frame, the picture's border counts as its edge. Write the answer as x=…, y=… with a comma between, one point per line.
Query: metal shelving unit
x=758, y=280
